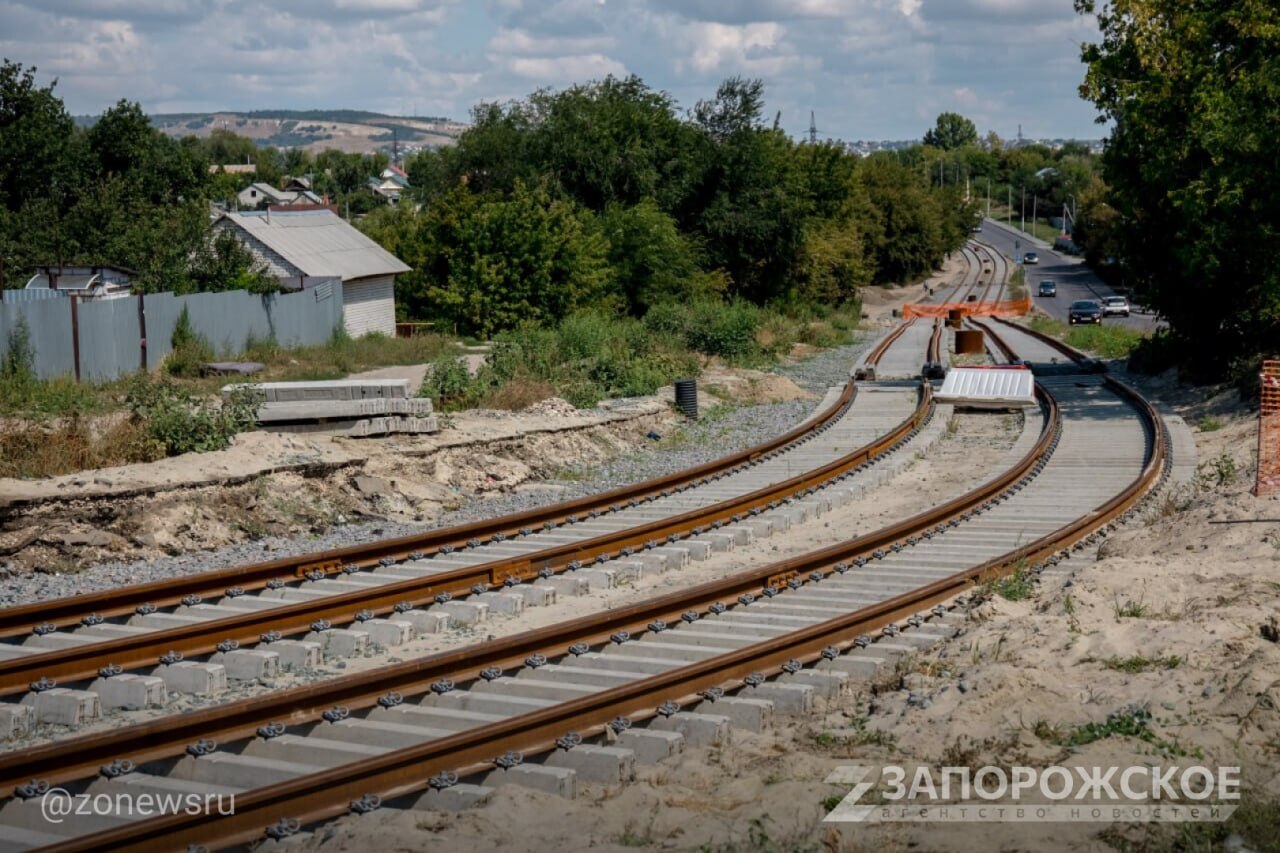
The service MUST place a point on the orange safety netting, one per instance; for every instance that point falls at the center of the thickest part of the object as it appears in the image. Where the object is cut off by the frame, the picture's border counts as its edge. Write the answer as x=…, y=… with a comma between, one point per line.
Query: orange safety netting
x=1014, y=308
x=1269, y=431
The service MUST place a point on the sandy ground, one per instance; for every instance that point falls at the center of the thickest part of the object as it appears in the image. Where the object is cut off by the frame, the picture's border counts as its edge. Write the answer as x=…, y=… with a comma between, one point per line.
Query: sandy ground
x=1175, y=614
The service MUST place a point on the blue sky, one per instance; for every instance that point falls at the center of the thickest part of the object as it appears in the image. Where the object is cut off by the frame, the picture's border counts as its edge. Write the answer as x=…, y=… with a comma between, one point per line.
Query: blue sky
x=870, y=69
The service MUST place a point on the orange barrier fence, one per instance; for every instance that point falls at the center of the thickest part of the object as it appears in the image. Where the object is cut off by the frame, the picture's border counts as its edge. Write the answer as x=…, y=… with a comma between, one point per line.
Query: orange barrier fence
x=1269, y=431
x=1015, y=308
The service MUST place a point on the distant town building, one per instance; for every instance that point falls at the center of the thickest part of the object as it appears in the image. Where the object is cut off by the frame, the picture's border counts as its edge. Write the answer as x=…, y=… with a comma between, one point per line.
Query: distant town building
x=301, y=245
x=259, y=195
x=87, y=282
x=234, y=168
x=390, y=184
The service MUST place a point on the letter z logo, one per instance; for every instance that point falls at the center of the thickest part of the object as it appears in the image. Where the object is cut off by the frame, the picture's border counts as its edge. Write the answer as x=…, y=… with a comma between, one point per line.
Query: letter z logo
x=848, y=810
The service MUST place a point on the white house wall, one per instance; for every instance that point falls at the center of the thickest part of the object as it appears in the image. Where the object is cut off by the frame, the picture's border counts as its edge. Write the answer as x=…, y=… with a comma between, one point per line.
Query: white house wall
x=368, y=305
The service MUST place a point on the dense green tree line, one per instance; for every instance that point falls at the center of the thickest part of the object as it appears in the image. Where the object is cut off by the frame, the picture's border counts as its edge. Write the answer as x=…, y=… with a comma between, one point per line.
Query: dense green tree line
x=1191, y=210
x=607, y=195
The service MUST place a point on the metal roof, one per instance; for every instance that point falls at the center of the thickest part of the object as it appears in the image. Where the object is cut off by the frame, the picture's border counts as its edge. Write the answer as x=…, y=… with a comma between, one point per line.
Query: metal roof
x=993, y=387
x=318, y=242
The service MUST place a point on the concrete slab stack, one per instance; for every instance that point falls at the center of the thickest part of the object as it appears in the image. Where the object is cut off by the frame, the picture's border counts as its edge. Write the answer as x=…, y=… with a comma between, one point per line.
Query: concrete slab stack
x=353, y=407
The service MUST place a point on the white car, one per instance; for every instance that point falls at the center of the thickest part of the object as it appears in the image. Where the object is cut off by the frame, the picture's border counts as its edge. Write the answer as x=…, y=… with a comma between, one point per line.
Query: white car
x=1117, y=305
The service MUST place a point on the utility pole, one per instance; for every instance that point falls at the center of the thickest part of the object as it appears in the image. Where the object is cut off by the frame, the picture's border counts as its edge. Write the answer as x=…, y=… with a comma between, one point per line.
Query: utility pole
x=1034, y=199
x=1022, y=211
x=988, y=197
x=813, y=129
x=1009, y=204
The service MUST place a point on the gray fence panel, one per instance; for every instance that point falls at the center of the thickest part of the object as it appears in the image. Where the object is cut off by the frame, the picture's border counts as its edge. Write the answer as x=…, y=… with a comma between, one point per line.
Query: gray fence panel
x=162, y=310
x=110, y=339
x=111, y=334
x=306, y=318
x=49, y=324
x=15, y=297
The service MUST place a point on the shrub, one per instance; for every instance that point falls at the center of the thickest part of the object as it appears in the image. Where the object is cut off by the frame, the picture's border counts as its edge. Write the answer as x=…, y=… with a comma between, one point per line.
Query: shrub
x=18, y=365
x=190, y=350
x=175, y=422
x=448, y=383
x=668, y=318
x=728, y=331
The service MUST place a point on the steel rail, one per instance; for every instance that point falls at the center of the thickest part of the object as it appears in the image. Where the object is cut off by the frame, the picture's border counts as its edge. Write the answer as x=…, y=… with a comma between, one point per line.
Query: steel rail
x=987, y=291
x=970, y=255
x=1066, y=349
x=63, y=612
x=75, y=757
x=85, y=661
x=329, y=793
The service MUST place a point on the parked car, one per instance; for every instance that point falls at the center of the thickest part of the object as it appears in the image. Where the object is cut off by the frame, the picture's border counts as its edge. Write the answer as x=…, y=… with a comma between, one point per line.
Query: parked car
x=1117, y=305
x=977, y=229
x=1084, y=311
x=1031, y=258
x=1048, y=287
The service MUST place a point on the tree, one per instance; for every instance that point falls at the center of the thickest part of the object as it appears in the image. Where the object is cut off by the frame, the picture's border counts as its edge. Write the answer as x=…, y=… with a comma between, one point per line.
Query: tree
x=1191, y=163
x=34, y=132
x=652, y=261
x=951, y=131
x=488, y=263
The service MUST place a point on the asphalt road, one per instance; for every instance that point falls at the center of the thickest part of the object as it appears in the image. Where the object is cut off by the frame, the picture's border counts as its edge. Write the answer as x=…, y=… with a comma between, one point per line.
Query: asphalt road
x=1074, y=278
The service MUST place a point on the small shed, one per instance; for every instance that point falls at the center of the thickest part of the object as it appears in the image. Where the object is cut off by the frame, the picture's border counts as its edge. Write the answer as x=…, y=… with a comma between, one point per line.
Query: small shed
x=87, y=282
x=302, y=244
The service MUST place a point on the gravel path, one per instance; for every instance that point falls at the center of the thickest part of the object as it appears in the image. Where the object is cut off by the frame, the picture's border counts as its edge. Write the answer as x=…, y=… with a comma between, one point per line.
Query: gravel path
x=719, y=433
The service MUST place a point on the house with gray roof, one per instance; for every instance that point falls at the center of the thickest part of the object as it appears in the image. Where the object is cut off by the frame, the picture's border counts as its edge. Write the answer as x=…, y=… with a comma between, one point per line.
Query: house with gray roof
x=297, y=246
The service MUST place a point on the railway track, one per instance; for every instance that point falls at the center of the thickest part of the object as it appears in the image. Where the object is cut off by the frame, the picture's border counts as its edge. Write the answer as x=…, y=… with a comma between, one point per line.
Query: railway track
x=456, y=574
x=780, y=632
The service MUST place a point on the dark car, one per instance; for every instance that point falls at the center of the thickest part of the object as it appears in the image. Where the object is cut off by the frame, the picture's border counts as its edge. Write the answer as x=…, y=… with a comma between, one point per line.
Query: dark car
x=1084, y=311
x=1048, y=287
x=1031, y=258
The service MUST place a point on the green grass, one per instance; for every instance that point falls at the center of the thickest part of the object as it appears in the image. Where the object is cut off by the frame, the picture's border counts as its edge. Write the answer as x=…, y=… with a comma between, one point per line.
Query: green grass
x=1018, y=586
x=1040, y=228
x=1209, y=423
x=1137, y=663
x=1104, y=341
x=1134, y=721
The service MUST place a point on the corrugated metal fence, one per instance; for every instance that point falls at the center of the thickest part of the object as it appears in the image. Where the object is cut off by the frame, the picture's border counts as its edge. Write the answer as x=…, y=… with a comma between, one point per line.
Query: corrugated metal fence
x=106, y=339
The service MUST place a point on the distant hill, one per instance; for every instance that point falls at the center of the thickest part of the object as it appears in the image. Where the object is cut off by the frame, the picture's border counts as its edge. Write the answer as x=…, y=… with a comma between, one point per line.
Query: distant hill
x=353, y=131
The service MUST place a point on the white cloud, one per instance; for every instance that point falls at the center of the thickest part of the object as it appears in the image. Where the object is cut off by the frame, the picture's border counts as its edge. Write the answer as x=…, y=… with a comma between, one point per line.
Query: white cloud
x=869, y=68
x=567, y=69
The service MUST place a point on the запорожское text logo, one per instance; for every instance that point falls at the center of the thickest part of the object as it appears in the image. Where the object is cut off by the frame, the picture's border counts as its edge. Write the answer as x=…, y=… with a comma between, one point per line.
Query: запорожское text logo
x=1140, y=793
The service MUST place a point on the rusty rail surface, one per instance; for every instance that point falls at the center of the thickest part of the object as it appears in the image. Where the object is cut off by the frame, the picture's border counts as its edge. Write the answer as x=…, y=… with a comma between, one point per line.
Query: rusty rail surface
x=328, y=793
x=65, y=612
x=84, y=662
x=76, y=757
